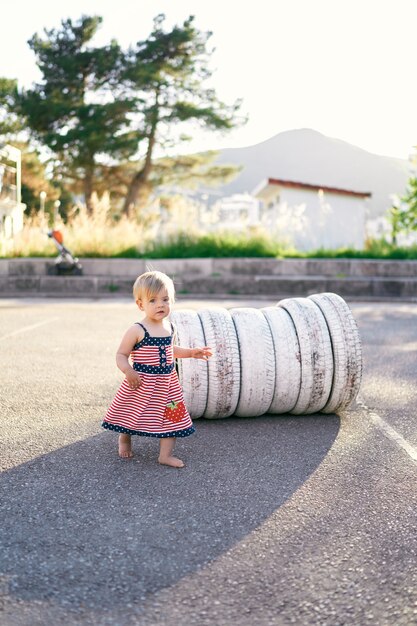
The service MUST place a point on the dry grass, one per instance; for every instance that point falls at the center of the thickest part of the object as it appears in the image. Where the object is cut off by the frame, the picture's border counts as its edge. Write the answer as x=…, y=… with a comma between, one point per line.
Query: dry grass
x=99, y=235
x=169, y=231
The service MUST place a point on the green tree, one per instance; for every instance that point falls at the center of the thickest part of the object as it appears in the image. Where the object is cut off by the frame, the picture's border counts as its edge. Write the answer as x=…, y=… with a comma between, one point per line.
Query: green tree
x=185, y=171
x=11, y=123
x=34, y=178
x=403, y=213
x=409, y=219
x=96, y=106
x=167, y=72
x=76, y=110
x=192, y=170
x=13, y=131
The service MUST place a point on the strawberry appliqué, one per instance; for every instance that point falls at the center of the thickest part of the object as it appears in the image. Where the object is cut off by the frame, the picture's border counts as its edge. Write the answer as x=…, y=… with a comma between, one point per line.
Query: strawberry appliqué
x=175, y=411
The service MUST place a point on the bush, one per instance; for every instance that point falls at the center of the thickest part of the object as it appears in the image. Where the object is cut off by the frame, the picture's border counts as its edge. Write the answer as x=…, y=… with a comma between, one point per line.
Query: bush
x=216, y=245
x=102, y=235
x=99, y=235
x=374, y=249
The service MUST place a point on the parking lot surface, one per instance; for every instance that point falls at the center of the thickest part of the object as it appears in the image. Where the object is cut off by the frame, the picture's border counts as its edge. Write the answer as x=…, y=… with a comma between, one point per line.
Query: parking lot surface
x=274, y=520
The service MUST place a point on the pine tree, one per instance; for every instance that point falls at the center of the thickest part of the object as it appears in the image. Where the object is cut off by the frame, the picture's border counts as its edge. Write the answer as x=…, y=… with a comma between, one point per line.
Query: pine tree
x=95, y=107
x=167, y=72
x=11, y=123
x=75, y=110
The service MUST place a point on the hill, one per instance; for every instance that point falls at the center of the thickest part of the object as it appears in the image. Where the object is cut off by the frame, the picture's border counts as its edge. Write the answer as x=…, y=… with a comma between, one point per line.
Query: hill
x=308, y=156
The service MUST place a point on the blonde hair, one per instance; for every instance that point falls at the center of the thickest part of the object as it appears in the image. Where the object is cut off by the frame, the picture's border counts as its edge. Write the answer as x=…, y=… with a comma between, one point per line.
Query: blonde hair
x=149, y=284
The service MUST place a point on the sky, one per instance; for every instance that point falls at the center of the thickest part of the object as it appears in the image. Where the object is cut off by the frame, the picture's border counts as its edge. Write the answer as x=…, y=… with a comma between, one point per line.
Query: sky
x=345, y=68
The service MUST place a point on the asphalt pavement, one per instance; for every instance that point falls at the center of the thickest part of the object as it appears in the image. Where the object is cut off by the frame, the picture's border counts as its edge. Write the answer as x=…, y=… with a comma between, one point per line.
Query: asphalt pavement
x=276, y=520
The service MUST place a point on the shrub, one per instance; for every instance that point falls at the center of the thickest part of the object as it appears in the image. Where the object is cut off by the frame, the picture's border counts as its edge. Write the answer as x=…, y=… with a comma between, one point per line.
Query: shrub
x=106, y=235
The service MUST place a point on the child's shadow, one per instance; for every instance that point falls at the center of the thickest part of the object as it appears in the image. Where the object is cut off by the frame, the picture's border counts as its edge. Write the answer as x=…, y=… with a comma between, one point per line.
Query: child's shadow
x=83, y=527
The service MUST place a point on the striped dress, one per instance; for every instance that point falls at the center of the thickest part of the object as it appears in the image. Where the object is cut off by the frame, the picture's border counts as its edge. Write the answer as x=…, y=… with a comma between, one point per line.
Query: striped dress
x=156, y=408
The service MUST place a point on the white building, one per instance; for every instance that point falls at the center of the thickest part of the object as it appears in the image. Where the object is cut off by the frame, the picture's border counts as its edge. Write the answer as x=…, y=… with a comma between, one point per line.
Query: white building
x=312, y=216
x=11, y=207
x=236, y=211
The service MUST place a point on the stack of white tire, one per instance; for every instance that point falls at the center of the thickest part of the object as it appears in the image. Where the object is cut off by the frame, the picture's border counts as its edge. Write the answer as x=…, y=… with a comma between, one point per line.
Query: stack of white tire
x=302, y=356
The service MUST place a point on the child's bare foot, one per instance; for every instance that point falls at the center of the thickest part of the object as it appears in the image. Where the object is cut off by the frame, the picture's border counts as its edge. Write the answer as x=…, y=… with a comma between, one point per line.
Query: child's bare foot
x=171, y=460
x=125, y=446
x=166, y=448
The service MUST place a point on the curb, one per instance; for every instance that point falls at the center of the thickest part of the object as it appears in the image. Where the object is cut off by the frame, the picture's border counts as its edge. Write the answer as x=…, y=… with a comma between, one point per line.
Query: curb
x=261, y=277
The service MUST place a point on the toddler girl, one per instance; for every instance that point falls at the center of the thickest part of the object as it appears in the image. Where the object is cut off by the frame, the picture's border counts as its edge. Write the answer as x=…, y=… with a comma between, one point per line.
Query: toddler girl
x=149, y=401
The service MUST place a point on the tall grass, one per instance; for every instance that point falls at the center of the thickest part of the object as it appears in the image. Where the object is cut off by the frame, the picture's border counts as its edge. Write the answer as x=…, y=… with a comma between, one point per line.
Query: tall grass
x=103, y=235
x=374, y=249
x=220, y=244
x=97, y=235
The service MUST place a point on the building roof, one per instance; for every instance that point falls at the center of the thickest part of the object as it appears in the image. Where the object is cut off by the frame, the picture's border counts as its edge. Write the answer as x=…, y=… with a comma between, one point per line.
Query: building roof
x=297, y=185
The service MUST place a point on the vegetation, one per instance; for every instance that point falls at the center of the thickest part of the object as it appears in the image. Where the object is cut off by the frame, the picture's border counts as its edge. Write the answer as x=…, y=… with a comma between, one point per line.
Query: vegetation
x=219, y=244
x=11, y=123
x=77, y=110
x=403, y=213
x=101, y=235
x=374, y=249
x=91, y=128
x=101, y=111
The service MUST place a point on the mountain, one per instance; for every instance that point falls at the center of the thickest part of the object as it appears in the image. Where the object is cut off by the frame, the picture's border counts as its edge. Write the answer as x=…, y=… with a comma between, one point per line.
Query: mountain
x=307, y=156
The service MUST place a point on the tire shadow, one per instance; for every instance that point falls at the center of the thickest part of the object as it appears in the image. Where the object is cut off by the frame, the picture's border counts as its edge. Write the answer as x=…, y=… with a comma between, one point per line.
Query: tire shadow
x=81, y=527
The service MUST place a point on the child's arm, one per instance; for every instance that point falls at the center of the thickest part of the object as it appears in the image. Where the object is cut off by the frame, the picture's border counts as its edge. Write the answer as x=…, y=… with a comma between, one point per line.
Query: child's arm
x=193, y=353
x=132, y=336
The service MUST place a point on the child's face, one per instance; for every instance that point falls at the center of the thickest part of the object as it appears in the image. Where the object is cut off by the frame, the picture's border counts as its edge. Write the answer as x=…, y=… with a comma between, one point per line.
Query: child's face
x=156, y=307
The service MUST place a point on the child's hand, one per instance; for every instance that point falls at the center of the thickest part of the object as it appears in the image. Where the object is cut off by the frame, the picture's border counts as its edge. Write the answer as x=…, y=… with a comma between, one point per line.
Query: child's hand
x=133, y=379
x=201, y=353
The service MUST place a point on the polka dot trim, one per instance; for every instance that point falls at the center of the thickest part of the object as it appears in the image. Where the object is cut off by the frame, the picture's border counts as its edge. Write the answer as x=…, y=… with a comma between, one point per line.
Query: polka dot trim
x=148, y=340
x=174, y=433
x=153, y=369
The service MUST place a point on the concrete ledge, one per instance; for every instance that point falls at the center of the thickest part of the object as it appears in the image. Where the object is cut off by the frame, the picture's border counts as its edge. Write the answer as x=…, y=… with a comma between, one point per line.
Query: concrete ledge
x=236, y=285
x=323, y=267
x=26, y=267
x=354, y=278
x=130, y=268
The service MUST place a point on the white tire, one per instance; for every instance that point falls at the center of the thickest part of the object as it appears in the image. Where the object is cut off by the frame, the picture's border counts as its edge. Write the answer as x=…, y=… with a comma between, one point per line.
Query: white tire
x=315, y=352
x=224, y=365
x=257, y=362
x=347, y=350
x=287, y=360
x=192, y=373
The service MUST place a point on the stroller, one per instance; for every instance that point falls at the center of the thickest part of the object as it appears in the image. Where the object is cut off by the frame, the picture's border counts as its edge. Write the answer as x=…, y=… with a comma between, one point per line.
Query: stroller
x=65, y=262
